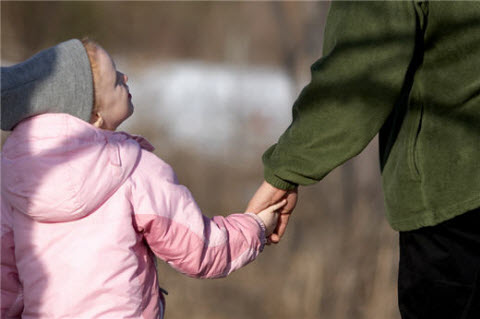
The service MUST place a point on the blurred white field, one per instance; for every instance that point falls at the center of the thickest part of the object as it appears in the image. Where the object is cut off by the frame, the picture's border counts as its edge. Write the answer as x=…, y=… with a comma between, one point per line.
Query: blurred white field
x=209, y=106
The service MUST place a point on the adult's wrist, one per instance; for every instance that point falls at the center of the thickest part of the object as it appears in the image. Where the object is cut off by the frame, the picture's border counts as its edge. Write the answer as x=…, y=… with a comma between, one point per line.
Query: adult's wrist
x=277, y=182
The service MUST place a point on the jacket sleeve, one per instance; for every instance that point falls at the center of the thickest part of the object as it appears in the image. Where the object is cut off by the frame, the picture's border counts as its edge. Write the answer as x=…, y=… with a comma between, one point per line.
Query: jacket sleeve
x=368, y=47
x=177, y=231
x=11, y=288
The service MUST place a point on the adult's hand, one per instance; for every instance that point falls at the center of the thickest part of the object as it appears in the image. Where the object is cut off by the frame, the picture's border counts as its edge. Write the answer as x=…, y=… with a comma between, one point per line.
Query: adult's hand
x=266, y=195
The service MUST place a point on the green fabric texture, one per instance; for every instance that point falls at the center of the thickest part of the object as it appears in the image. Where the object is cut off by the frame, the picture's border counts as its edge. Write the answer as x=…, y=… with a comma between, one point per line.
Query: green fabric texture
x=409, y=71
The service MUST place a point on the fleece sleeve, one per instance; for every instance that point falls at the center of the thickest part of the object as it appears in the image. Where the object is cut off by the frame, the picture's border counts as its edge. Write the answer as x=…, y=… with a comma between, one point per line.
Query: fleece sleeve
x=177, y=232
x=11, y=289
x=367, y=51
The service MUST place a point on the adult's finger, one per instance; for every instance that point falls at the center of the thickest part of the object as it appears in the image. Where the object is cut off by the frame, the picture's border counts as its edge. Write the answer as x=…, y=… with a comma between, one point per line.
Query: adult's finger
x=265, y=196
x=291, y=197
x=281, y=227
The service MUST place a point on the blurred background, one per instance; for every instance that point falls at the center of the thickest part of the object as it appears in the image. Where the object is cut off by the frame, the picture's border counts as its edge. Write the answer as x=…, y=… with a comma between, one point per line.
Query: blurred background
x=213, y=84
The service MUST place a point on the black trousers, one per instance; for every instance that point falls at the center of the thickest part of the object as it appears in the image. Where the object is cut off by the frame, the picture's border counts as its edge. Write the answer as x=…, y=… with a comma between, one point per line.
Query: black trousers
x=439, y=272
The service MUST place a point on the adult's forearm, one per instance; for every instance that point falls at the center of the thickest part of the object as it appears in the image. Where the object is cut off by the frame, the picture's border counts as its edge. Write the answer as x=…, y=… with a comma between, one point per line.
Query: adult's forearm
x=354, y=88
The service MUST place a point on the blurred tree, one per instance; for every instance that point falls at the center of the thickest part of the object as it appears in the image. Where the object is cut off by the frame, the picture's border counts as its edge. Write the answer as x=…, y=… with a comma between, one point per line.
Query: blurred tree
x=238, y=32
x=300, y=30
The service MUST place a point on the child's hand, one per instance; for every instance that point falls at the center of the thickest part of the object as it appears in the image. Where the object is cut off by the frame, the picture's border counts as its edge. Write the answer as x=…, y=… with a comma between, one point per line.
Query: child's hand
x=269, y=216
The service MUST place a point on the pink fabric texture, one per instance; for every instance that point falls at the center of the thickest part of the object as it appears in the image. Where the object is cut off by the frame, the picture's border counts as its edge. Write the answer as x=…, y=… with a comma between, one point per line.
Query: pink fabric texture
x=78, y=205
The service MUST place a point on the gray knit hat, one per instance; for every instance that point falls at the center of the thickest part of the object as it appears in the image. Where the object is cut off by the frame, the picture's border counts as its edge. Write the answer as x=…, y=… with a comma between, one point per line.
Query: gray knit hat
x=55, y=80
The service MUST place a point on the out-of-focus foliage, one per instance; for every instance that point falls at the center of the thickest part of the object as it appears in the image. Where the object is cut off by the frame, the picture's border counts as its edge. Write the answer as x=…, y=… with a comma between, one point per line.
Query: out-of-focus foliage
x=339, y=257
x=259, y=33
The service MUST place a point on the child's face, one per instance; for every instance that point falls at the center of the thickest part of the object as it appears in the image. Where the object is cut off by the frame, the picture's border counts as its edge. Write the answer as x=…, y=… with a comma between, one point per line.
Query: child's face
x=114, y=99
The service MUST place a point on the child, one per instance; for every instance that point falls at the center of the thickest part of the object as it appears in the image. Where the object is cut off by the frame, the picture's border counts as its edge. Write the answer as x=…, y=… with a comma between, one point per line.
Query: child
x=84, y=207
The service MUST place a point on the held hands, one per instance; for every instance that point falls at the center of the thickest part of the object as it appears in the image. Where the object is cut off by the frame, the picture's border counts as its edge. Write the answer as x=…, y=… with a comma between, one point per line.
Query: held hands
x=269, y=216
x=266, y=196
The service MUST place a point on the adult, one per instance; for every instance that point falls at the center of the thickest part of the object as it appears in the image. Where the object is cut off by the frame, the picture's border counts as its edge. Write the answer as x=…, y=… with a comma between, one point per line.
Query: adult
x=408, y=70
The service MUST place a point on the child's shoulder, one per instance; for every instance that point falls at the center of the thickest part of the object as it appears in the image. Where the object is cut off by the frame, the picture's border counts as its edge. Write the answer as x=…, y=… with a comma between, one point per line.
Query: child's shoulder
x=152, y=166
x=149, y=166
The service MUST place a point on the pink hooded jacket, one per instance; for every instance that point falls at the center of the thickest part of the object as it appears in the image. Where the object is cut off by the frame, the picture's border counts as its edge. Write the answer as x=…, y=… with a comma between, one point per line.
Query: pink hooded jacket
x=83, y=209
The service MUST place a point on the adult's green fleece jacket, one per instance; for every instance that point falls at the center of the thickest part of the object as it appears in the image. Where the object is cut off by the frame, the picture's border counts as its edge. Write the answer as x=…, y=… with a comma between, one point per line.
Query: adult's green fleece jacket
x=409, y=71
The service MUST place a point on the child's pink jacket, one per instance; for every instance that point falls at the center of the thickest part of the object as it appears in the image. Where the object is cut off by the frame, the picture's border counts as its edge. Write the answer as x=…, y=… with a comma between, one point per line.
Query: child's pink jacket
x=80, y=207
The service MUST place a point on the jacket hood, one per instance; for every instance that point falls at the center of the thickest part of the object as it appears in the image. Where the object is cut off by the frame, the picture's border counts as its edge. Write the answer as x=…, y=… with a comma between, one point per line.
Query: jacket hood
x=56, y=167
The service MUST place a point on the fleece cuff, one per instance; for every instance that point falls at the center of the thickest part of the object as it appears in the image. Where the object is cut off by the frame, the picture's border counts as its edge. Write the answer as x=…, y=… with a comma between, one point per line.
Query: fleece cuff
x=277, y=182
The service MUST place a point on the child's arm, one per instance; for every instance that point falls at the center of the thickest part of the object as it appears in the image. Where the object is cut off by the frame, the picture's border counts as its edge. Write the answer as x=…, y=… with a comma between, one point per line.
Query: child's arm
x=269, y=216
x=172, y=224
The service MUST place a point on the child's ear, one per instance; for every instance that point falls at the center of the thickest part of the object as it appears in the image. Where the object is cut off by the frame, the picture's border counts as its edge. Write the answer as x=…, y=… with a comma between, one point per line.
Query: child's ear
x=97, y=120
